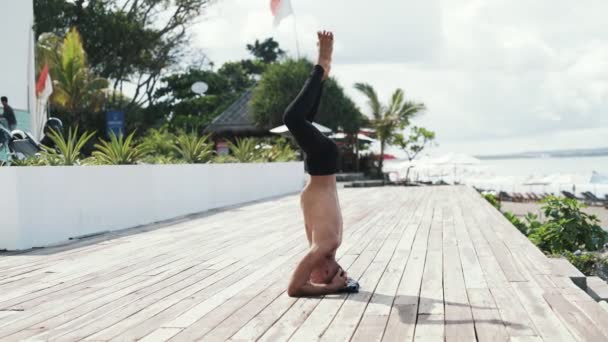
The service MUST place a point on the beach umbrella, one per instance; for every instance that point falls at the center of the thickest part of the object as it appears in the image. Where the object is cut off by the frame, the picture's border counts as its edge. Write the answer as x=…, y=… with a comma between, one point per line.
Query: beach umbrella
x=598, y=178
x=455, y=160
x=284, y=131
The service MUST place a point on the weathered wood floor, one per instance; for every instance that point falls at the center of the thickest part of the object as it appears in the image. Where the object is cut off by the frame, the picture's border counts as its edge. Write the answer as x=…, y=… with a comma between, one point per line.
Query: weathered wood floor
x=434, y=264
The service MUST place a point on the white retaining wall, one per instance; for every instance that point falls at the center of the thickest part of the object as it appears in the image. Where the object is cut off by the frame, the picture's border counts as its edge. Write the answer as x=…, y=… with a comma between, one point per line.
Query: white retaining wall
x=40, y=206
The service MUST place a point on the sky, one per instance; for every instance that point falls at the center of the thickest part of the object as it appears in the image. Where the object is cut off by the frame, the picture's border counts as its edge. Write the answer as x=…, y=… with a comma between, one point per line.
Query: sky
x=496, y=76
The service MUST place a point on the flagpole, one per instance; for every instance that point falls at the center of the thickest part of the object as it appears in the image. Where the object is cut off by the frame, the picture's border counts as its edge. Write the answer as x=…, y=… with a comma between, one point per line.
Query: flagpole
x=295, y=28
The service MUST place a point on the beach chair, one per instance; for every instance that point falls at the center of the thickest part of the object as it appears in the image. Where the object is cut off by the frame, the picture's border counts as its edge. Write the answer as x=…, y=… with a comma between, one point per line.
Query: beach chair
x=570, y=195
x=592, y=198
x=519, y=197
x=503, y=196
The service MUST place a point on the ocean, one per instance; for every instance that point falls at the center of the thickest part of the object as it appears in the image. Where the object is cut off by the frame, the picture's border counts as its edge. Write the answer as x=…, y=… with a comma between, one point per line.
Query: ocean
x=521, y=170
x=571, y=174
x=546, y=166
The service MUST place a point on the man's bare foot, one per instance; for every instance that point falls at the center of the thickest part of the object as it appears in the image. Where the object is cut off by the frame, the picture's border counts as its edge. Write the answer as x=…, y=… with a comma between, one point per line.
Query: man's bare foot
x=326, y=49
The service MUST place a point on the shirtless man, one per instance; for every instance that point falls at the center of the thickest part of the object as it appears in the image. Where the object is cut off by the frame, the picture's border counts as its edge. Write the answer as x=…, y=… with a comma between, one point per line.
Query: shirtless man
x=318, y=273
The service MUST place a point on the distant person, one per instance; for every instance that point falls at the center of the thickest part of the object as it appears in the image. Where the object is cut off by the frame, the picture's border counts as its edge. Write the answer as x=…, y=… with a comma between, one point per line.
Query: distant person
x=9, y=114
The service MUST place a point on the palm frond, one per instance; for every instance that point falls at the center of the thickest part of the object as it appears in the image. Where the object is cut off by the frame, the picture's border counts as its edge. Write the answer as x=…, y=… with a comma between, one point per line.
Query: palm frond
x=372, y=97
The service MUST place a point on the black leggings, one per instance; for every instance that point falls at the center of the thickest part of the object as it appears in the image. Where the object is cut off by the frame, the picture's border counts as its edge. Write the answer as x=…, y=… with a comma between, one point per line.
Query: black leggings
x=321, y=152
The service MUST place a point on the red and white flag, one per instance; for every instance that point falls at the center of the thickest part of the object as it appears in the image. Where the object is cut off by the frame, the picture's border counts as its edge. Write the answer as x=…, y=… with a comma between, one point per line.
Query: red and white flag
x=44, y=89
x=44, y=86
x=281, y=9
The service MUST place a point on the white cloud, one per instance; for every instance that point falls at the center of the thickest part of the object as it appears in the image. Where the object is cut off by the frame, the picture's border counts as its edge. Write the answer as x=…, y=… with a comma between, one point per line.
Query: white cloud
x=493, y=73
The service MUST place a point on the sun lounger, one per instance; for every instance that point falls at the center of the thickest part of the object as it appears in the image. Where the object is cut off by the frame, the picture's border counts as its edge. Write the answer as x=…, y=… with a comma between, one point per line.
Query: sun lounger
x=503, y=196
x=592, y=199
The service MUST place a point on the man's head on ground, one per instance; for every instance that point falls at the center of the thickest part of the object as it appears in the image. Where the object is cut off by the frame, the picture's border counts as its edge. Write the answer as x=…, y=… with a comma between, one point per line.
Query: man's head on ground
x=325, y=272
x=4, y=100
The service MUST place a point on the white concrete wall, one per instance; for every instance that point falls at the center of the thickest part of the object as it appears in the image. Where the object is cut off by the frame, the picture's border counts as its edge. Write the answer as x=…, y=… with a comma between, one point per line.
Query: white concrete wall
x=46, y=205
x=17, y=57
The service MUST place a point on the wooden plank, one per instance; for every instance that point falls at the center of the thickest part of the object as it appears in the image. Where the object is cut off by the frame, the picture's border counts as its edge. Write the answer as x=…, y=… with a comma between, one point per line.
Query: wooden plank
x=257, y=326
x=97, y=322
x=473, y=274
x=217, y=280
x=597, y=288
x=488, y=323
x=595, y=312
x=546, y=322
x=459, y=324
x=512, y=312
x=576, y=321
x=563, y=268
x=402, y=320
x=163, y=335
x=350, y=313
x=376, y=315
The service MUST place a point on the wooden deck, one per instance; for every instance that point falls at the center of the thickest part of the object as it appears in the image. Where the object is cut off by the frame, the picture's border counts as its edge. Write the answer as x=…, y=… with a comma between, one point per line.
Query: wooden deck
x=434, y=264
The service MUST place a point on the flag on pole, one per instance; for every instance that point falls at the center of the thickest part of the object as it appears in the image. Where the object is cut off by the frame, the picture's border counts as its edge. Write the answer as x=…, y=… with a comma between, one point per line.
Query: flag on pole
x=44, y=86
x=44, y=89
x=281, y=9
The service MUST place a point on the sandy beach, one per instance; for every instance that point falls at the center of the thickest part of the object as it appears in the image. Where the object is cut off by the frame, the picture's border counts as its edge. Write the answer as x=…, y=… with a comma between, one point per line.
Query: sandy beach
x=520, y=209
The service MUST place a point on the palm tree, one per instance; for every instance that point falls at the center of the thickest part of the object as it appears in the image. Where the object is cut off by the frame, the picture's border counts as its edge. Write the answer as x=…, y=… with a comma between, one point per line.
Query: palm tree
x=75, y=88
x=388, y=120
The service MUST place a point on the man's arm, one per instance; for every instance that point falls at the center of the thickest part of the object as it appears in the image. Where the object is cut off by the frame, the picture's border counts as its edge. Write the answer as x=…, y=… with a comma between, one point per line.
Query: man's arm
x=300, y=286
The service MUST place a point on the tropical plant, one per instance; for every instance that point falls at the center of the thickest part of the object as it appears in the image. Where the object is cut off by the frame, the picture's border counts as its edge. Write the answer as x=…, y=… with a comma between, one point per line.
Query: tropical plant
x=390, y=119
x=493, y=200
x=194, y=149
x=67, y=151
x=118, y=151
x=245, y=150
x=568, y=228
x=280, y=151
x=418, y=140
x=521, y=226
x=160, y=160
x=159, y=142
x=527, y=227
x=224, y=159
x=76, y=89
x=31, y=161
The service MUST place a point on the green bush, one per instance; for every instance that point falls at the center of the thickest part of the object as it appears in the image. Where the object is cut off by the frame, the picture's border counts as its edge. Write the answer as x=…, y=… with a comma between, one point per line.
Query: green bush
x=519, y=224
x=224, y=159
x=159, y=142
x=280, y=151
x=527, y=227
x=32, y=161
x=567, y=228
x=160, y=160
x=494, y=201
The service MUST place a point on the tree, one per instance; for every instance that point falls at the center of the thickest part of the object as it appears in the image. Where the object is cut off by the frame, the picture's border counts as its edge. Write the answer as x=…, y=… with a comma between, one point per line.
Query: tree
x=191, y=111
x=267, y=51
x=76, y=90
x=128, y=41
x=388, y=120
x=419, y=138
x=281, y=83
